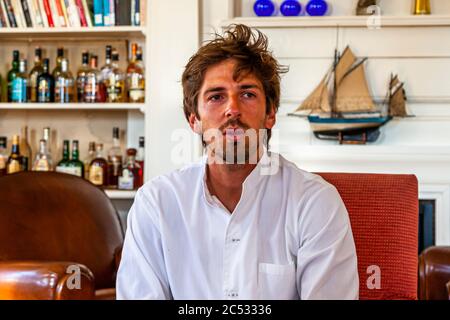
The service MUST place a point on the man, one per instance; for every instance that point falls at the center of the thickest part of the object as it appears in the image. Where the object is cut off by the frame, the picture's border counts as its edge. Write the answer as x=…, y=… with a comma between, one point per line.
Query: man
x=244, y=223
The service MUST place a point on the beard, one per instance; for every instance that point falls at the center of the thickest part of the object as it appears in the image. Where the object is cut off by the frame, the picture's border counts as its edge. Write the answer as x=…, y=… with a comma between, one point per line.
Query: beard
x=237, y=146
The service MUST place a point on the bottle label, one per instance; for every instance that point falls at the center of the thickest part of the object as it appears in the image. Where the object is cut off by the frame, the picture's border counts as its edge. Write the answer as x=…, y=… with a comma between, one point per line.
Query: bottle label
x=43, y=94
x=126, y=181
x=41, y=165
x=75, y=171
x=96, y=175
x=19, y=90
x=63, y=92
x=2, y=162
x=90, y=90
x=14, y=166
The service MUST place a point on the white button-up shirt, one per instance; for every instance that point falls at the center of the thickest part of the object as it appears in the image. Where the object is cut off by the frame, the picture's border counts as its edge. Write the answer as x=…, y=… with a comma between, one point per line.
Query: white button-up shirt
x=289, y=237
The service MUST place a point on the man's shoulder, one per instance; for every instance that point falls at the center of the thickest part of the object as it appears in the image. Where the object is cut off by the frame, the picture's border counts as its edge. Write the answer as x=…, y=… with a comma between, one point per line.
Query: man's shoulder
x=300, y=179
x=186, y=176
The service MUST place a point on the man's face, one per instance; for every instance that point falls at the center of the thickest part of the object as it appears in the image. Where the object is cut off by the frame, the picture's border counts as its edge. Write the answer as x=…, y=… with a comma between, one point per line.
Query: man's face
x=232, y=112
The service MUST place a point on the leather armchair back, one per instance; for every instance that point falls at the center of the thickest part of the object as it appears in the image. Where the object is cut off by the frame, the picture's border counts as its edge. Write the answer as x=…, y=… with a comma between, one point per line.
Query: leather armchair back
x=58, y=217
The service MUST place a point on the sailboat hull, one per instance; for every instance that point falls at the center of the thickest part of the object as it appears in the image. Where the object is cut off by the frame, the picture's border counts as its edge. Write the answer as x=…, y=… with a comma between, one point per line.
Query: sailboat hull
x=330, y=125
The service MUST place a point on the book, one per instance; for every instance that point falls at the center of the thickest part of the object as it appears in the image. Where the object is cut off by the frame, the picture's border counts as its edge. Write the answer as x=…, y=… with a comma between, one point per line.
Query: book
x=43, y=14
x=80, y=8
x=60, y=12
x=64, y=9
x=32, y=13
x=26, y=13
x=87, y=13
x=48, y=13
x=54, y=12
x=106, y=14
x=123, y=12
x=10, y=13
x=72, y=12
x=137, y=13
x=98, y=13
x=112, y=13
x=18, y=13
x=3, y=16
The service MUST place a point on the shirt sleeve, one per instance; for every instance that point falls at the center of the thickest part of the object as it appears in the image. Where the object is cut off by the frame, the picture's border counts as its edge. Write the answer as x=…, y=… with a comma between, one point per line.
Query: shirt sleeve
x=142, y=274
x=326, y=261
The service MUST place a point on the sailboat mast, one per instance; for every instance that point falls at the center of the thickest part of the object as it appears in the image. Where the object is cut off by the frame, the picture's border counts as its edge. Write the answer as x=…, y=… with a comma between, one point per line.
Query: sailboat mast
x=333, y=101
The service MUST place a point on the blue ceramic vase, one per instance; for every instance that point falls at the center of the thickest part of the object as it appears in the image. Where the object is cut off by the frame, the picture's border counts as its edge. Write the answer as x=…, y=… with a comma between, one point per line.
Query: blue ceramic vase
x=290, y=8
x=264, y=8
x=317, y=7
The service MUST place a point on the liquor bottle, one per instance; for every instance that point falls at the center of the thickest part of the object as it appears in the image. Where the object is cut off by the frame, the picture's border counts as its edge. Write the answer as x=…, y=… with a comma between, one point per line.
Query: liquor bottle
x=15, y=163
x=19, y=85
x=75, y=166
x=135, y=78
x=59, y=58
x=82, y=76
x=12, y=74
x=114, y=160
x=64, y=83
x=46, y=137
x=132, y=172
x=25, y=150
x=88, y=160
x=107, y=68
x=37, y=70
x=3, y=156
x=43, y=161
x=98, y=168
x=45, y=85
x=93, y=91
x=422, y=7
x=140, y=156
x=115, y=82
x=64, y=162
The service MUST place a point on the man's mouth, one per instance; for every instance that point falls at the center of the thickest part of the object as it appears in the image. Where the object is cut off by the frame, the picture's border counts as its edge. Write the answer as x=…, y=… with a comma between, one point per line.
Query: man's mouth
x=233, y=134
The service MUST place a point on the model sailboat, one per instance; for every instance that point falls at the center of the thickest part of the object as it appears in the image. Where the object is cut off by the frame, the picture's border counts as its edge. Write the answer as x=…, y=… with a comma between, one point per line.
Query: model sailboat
x=341, y=107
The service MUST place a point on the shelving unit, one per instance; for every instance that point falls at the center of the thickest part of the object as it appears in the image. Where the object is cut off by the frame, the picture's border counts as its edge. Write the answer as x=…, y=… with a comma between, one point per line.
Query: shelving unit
x=94, y=122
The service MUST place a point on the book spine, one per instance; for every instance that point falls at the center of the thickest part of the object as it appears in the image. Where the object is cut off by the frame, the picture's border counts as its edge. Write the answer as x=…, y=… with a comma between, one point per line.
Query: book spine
x=54, y=13
x=3, y=17
x=65, y=6
x=10, y=13
x=26, y=13
x=72, y=11
x=59, y=9
x=87, y=13
x=137, y=12
x=5, y=13
x=43, y=14
x=98, y=13
x=81, y=13
x=37, y=13
x=112, y=13
x=17, y=9
x=133, y=12
x=48, y=13
x=106, y=16
x=32, y=13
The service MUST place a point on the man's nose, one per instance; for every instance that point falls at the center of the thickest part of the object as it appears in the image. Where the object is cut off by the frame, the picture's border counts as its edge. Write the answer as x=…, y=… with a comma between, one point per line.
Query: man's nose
x=233, y=108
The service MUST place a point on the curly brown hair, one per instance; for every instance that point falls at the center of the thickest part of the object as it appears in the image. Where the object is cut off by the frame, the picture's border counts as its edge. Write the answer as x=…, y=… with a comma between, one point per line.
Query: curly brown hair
x=250, y=49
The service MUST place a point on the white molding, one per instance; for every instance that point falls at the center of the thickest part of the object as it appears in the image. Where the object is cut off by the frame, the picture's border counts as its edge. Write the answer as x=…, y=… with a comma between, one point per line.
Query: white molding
x=73, y=106
x=340, y=21
x=120, y=194
x=441, y=194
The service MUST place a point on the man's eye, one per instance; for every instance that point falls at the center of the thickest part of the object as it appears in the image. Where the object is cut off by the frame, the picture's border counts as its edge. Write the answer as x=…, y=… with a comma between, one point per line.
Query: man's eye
x=215, y=98
x=249, y=95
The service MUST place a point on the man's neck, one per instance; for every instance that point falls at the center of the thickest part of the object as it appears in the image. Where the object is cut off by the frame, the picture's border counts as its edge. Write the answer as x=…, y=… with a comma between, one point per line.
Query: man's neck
x=225, y=181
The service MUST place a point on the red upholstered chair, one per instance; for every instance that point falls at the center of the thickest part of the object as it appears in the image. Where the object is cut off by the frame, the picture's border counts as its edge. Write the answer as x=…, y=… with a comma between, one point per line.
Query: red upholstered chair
x=383, y=211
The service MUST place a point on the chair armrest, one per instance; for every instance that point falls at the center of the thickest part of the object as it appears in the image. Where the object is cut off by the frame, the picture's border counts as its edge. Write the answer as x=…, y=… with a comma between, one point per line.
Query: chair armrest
x=434, y=273
x=448, y=289
x=105, y=294
x=39, y=280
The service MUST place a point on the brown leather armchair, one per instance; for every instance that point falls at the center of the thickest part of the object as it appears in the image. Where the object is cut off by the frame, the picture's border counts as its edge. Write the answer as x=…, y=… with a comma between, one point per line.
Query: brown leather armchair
x=434, y=274
x=52, y=225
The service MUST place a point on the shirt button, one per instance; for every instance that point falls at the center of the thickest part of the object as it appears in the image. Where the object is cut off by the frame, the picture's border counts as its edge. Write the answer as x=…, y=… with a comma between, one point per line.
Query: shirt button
x=235, y=240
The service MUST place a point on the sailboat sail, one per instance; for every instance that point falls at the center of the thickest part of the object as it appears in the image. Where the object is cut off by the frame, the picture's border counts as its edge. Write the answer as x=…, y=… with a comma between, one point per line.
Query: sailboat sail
x=318, y=100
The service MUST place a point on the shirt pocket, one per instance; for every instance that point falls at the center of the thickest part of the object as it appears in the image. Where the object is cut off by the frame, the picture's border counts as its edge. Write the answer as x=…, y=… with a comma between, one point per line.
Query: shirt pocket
x=277, y=281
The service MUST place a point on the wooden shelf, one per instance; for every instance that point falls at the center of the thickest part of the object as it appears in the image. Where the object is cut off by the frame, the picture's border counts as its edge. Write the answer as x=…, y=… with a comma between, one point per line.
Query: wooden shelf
x=121, y=194
x=73, y=106
x=341, y=21
x=68, y=33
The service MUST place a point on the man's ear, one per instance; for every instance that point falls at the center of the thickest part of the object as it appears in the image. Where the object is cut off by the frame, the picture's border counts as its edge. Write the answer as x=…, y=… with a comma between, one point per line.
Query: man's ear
x=270, y=118
x=195, y=124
